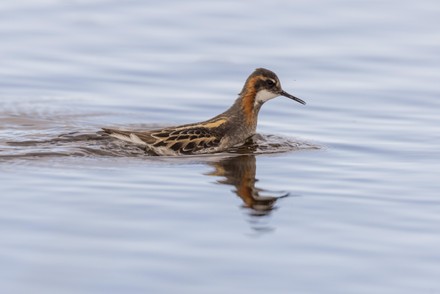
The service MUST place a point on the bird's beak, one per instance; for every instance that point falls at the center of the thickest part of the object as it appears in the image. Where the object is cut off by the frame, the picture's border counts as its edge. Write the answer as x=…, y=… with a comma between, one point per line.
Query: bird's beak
x=285, y=94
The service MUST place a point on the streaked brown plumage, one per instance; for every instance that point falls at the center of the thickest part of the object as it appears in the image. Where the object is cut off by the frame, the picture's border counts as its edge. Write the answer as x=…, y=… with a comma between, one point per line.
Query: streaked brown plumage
x=223, y=131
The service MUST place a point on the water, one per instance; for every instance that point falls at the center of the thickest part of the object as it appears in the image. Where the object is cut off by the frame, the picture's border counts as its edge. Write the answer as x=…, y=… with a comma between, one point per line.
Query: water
x=338, y=196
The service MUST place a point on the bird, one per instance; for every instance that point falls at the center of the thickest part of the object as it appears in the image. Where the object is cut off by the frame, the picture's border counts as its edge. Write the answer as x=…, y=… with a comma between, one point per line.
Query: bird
x=228, y=129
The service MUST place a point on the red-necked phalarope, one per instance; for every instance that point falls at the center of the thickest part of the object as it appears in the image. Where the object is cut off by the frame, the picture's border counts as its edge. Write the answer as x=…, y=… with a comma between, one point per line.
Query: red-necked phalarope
x=219, y=133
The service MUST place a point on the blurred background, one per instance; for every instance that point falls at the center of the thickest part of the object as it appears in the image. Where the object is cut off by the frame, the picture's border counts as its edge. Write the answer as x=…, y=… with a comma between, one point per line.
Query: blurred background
x=352, y=208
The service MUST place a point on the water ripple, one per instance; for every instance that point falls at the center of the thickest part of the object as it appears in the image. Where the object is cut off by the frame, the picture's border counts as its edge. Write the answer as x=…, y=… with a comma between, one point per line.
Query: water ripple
x=100, y=144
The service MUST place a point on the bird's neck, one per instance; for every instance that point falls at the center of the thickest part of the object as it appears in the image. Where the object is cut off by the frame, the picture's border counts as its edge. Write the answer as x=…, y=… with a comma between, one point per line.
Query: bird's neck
x=249, y=106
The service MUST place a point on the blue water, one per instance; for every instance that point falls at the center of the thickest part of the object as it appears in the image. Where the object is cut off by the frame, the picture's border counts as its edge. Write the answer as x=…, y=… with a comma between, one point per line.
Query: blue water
x=352, y=206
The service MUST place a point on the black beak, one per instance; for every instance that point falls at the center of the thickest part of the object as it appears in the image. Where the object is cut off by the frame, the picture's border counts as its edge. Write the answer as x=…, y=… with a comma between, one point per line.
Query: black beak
x=285, y=94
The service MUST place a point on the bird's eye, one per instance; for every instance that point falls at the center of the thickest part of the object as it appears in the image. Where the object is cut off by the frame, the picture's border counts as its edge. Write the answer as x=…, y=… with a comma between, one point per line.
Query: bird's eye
x=270, y=83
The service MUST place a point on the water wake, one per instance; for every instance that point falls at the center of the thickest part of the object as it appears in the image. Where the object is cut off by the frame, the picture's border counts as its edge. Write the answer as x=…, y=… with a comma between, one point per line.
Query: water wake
x=100, y=144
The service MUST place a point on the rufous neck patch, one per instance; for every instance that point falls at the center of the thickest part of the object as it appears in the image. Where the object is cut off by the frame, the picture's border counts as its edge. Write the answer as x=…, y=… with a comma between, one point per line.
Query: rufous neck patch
x=248, y=99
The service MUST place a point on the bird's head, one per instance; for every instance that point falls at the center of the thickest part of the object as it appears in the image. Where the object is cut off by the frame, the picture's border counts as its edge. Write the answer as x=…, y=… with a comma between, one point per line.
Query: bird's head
x=263, y=85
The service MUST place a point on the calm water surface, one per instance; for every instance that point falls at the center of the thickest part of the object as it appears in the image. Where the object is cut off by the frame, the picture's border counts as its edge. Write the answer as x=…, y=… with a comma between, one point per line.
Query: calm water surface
x=340, y=195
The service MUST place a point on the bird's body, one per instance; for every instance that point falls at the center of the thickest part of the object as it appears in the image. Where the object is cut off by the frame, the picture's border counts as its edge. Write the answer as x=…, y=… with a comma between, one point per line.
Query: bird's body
x=219, y=133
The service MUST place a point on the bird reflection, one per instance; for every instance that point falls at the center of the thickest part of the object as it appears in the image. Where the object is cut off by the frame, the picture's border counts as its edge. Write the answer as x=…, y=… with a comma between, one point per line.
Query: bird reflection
x=240, y=172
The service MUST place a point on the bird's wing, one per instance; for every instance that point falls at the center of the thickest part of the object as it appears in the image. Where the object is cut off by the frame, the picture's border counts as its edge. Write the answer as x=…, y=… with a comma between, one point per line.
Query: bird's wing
x=183, y=140
x=130, y=136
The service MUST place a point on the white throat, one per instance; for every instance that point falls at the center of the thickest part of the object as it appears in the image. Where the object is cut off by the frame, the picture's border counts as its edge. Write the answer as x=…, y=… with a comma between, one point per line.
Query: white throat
x=264, y=95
